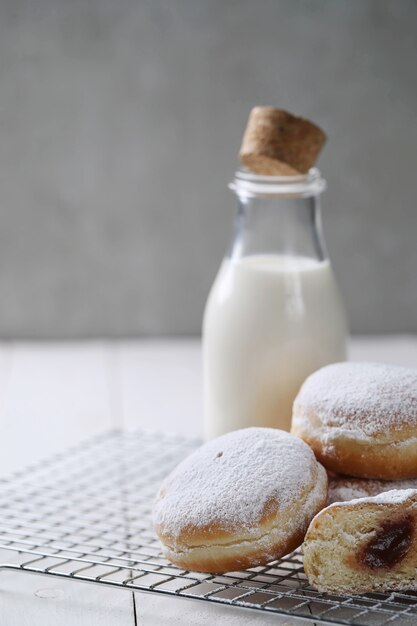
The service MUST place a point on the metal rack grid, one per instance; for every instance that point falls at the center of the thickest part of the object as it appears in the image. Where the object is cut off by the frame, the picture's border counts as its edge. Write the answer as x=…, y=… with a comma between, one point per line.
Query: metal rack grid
x=86, y=515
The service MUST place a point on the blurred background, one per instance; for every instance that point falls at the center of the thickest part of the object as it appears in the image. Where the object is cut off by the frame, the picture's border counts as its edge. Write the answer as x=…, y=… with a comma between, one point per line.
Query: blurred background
x=120, y=124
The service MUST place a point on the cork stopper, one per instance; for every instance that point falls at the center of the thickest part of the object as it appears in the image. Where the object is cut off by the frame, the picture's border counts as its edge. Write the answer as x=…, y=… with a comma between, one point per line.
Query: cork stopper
x=277, y=143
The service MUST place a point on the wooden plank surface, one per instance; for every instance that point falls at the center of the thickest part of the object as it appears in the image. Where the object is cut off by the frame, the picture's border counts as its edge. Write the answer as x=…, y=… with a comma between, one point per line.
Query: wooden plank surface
x=27, y=600
x=156, y=611
x=161, y=386
x=54, y=395
x=399, y=350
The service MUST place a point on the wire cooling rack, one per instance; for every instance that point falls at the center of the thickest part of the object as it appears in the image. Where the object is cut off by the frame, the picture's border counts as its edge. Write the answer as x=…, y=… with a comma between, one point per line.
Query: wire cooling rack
x=86, y=515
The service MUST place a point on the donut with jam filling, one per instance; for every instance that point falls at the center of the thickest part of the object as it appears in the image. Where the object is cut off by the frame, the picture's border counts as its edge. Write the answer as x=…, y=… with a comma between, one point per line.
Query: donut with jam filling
x=368, y=544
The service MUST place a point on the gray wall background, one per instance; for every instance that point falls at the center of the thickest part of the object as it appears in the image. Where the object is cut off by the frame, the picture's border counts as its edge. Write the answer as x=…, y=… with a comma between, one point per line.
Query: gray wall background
x=120, y=123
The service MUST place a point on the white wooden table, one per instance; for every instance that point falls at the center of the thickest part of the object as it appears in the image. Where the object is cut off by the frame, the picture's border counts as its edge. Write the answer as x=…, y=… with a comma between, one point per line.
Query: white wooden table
x=53, y=396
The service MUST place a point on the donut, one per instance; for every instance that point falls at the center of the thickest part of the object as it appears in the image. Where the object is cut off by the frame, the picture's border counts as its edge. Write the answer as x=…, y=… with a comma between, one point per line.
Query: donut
x=360, y=419
x=239, y=501
x=345, y=488
x=364, y=545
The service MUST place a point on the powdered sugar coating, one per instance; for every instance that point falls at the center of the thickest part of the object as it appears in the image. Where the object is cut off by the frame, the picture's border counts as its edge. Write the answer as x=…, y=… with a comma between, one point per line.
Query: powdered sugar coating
x=395, y=496
x=231, y=480
x=359, y=400
x=344, y=489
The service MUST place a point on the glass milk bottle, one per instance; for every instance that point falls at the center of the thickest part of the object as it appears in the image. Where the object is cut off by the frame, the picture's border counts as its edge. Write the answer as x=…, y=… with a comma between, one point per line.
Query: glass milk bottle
x=274, y=313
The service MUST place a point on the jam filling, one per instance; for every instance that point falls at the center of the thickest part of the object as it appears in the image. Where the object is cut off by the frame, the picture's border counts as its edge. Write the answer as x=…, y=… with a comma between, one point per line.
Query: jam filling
x=390, y=545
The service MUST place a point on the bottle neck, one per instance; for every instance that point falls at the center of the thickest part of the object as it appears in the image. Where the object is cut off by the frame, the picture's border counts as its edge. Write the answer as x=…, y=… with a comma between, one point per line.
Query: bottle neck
x=275, y=219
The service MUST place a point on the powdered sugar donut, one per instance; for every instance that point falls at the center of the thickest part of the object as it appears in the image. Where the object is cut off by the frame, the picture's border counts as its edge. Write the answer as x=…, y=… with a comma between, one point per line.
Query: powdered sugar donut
x=346, y=488
x=364, y=545
x=360, y=419
x=240, y=500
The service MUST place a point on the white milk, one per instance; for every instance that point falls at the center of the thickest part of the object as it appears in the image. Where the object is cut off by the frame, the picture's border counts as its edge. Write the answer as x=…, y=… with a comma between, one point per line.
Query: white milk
x=270, y=321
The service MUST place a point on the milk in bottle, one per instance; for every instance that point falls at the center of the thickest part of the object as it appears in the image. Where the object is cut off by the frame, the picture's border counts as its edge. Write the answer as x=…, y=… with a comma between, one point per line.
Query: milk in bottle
x=274, y=313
